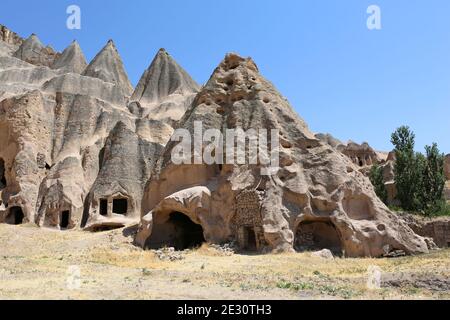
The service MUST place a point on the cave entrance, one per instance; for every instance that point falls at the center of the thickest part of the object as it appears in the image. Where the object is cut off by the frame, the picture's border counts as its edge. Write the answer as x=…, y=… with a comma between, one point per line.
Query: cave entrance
x=120, y=206
x=250, y=239
x=103, y=207
x=64, y=220
x=360, y=162
x=178, y=232
x=2, y=174
x=15, y=216
x=311, y=236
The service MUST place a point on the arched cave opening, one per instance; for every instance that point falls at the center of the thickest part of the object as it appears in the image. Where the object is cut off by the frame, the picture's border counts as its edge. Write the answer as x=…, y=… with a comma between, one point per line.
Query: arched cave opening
x=318, y=235
x=179, y=232
x=15, y=216
x=360, y=162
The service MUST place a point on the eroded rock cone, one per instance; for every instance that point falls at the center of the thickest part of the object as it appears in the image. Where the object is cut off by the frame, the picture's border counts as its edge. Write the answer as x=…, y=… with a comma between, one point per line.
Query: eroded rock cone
x=317, y=199
x=165, y=90
x=126, y=163
x=33, y=51
x=71, y=60
x=107, y=66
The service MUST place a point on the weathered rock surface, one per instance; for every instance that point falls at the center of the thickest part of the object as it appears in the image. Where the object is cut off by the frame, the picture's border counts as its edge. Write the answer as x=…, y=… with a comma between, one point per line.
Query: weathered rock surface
x=69, y=139
x=437, y=229
x=107, y=66
x=34, y=52
x=165, y=90
x=71, y=60
x=9, y=41
x=361, y=154
x=79, y=149
x=318, y=199
x=328, y=138
x=125, y=167
x=324, y=254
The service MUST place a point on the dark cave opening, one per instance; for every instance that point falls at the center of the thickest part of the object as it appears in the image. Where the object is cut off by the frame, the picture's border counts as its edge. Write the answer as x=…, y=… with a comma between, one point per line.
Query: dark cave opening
x=250, y=239
x=318, y=235
x=64, y=220
x=120, y=206
x=103, y=207
x=15, y=216
x=2, y=174
x=179, y=232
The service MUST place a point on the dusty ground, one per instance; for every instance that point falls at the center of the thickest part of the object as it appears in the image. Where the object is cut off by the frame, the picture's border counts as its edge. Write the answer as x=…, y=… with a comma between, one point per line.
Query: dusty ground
x=36, y=264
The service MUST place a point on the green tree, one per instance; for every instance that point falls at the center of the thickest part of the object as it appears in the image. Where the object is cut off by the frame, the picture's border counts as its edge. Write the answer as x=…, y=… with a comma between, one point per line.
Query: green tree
x=407, y=169
x=433, y=179
x=419, y=178
x=376, y=177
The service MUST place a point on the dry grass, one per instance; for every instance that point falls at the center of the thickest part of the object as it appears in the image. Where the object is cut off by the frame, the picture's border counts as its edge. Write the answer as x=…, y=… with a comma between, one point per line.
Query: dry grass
x=34, y=264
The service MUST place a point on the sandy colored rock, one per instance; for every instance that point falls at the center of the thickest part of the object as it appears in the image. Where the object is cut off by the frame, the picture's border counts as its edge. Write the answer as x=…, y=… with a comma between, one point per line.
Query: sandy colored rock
x=165, y=90
x=34, y=52
x=71, y=60
x=437, y=228
x=324, y=254
x=62, y=147
x=107, y=66
x=82, y=151
x=317, y=199
x=361, y=154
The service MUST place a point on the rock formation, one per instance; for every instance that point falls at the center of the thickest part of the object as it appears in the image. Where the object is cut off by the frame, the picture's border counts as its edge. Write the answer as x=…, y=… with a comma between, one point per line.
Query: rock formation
x=165, y=90
x=437, y=229
x=80, y=149
x=361, y=154
x=71, y=60
x=107, y=66
x=318, y=197
x=33, y=51
x=69, y=138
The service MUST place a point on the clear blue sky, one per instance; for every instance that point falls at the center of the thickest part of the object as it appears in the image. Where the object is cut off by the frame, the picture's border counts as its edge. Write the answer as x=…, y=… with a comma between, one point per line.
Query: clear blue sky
x=340, y=77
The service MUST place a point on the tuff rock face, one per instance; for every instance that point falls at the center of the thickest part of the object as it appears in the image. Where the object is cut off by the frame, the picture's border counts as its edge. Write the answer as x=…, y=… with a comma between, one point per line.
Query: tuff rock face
x=318, y=198
x=108, y=66
x=34, y=52
x=80, y=149
x=69, y=139
x=165, y=90
x=71, y=60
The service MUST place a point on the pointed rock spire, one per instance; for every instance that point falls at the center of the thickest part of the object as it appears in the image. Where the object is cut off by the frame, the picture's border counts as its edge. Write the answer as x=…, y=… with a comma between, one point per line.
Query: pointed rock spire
x=163, y=78
x=33, y=51
x=71, y=60
x=107, y=66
